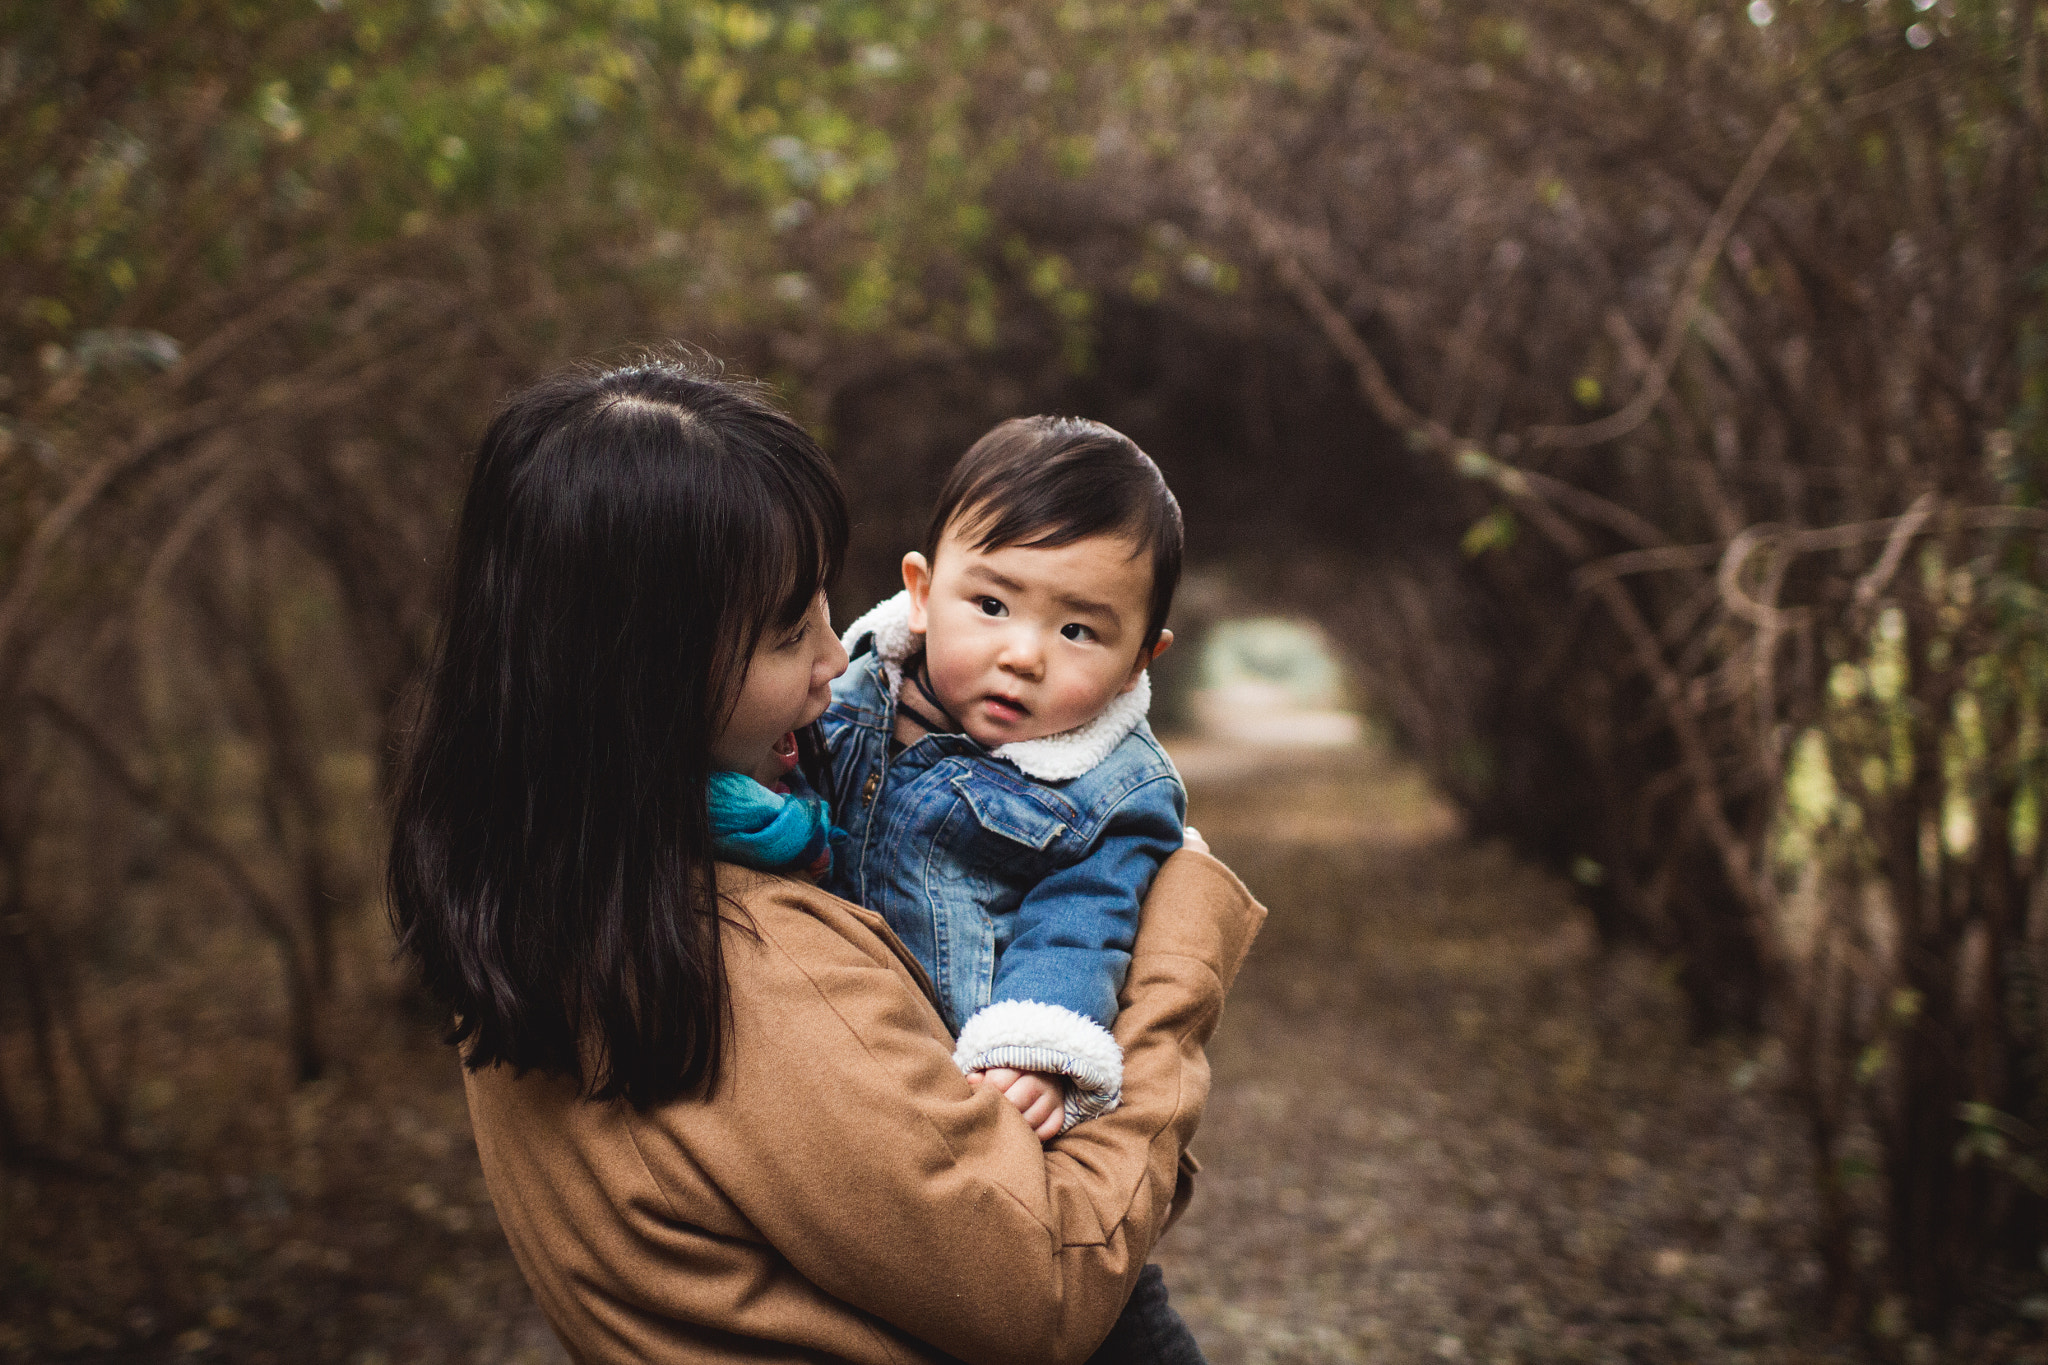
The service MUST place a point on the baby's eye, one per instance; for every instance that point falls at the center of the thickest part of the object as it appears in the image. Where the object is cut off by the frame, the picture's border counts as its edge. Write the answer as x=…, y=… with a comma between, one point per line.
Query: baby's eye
x=991, y=606
x=1074, y=630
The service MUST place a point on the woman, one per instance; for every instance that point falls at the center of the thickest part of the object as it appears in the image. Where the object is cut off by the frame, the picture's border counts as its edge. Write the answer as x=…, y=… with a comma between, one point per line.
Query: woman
x=716, y=1107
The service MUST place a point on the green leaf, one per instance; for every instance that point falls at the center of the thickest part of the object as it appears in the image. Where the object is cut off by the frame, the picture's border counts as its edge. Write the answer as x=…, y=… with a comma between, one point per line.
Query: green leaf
x=1494, y=531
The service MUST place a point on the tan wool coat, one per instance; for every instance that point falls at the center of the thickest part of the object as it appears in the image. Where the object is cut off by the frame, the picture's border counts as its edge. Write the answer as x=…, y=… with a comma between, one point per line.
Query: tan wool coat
x=843, y=1193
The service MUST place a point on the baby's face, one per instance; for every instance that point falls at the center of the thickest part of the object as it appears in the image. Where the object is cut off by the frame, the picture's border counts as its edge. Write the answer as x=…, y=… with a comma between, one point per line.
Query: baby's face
x=1025, y=642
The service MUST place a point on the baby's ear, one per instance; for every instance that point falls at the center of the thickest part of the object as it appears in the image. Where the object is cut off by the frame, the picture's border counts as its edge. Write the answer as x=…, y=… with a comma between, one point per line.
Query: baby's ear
x=1159, y=647
x=917, y=581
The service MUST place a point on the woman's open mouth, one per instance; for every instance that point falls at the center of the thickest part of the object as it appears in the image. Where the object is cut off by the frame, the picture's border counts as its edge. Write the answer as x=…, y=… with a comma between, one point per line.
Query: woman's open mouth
x=784, y=750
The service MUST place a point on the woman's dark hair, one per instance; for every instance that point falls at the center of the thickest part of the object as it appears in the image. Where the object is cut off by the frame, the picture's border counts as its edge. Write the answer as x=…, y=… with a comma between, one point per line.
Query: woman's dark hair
x=1049, y=481
x=627, y=537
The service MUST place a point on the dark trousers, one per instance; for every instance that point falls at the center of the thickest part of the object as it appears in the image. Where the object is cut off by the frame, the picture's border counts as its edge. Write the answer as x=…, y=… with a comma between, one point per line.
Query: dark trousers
x=1149, y=1332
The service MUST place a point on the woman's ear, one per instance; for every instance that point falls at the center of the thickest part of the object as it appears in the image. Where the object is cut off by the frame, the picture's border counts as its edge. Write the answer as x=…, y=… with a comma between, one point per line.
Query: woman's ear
x=917, y=581
x=1159, y=647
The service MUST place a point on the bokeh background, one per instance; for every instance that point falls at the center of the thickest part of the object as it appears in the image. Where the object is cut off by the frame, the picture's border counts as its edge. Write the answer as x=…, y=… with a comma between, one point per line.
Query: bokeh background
x=1612, y=440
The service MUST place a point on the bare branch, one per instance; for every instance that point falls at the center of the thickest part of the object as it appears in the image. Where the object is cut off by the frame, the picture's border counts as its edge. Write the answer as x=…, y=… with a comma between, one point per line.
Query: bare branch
x=184, y=826
x=1908, y=526
x=1682, y=311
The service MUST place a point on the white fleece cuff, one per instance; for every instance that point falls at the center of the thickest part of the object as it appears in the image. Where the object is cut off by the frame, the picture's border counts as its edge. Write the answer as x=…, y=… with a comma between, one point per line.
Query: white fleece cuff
x=1029, y=1035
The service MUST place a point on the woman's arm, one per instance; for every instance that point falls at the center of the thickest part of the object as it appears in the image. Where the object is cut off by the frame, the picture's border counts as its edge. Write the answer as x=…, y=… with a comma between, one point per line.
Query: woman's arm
x=845, y=1135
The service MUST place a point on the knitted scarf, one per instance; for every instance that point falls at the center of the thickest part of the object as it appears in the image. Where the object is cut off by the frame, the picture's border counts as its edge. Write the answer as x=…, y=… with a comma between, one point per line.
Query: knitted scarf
x=771, y=831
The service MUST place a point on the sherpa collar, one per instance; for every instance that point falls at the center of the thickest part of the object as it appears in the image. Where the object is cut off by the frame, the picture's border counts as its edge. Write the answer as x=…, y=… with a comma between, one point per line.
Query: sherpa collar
x=1055, y=758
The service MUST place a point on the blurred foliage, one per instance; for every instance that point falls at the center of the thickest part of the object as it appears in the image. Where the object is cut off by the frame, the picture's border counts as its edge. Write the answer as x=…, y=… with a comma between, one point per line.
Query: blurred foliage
x=162, y=152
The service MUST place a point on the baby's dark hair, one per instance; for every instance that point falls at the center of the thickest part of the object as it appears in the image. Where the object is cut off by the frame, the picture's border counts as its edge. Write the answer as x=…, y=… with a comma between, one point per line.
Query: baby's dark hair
x=1050, y=481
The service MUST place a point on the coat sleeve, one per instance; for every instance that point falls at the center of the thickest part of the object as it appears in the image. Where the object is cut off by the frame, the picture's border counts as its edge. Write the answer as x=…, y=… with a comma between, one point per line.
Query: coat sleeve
x=1075, y=928
x=1054, y=995
x=845, y=1134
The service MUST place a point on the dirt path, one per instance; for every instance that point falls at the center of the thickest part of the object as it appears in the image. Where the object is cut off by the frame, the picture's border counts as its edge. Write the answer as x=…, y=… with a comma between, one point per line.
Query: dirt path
x=1444, y=1128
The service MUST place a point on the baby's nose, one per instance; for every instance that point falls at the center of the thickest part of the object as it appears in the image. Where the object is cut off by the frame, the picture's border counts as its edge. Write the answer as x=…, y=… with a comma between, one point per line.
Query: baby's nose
x=1022, y=653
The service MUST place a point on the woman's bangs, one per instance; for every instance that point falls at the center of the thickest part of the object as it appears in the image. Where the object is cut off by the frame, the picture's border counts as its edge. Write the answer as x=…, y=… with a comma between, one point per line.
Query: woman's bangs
x=792, y=583
x=810, y=544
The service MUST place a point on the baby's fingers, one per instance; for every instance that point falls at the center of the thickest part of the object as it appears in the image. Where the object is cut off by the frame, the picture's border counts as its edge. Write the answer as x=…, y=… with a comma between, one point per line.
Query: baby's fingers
x=1048, y=1128
x=1043, y=1112
x=1001, y=1077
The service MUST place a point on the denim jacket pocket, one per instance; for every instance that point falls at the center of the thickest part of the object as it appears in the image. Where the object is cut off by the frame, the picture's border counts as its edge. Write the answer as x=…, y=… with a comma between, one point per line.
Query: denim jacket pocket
x=1015, y=816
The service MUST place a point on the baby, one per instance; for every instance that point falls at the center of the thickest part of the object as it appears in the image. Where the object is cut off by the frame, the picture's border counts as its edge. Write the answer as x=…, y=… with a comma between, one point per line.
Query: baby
x=1005, y=801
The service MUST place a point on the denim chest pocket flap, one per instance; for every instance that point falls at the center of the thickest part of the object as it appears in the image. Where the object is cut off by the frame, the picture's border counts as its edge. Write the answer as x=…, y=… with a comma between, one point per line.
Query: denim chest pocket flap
x=1017, y=816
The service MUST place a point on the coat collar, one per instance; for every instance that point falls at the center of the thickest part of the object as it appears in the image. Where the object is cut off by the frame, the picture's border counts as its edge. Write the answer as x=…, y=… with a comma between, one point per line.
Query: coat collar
x=1054, y=758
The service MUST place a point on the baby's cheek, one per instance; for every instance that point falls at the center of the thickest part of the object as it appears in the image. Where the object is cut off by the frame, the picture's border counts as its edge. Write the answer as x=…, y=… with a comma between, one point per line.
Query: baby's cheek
x=953, y=677
x=1082, y=699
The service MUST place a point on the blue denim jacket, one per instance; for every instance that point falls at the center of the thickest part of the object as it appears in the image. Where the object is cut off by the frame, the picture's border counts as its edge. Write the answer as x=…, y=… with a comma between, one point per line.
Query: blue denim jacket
x=1008, y=887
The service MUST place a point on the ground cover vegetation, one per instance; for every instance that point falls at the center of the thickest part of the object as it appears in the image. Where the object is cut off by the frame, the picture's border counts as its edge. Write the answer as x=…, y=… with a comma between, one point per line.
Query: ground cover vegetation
x=1649, y=395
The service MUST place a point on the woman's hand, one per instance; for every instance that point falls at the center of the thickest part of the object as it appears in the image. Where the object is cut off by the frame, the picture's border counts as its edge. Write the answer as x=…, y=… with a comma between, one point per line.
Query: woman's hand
x=1192, y=838
x=1040, y=1098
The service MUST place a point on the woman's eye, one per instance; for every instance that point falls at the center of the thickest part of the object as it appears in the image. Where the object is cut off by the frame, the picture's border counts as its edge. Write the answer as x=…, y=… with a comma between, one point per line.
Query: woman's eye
x=1074, y=630
x=991, y=606
x=803, y=632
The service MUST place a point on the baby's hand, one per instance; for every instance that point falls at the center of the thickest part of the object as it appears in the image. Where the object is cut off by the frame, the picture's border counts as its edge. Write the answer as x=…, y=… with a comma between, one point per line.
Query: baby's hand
x=1040, y=1098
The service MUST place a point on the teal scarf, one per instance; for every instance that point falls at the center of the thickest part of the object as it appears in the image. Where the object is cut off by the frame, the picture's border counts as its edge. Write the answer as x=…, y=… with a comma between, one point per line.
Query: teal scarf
x=770, y=831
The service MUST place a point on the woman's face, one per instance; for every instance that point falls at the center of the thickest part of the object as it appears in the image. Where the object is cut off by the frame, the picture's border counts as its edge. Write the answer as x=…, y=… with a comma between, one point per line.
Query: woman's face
x=788, y=685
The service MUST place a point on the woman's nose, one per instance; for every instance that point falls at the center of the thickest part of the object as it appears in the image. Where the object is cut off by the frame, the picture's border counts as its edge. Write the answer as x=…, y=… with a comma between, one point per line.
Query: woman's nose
x=834, y=660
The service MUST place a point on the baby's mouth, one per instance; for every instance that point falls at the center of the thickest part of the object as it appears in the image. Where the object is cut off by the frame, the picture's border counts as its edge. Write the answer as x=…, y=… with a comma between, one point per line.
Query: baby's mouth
x=1006, y=709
